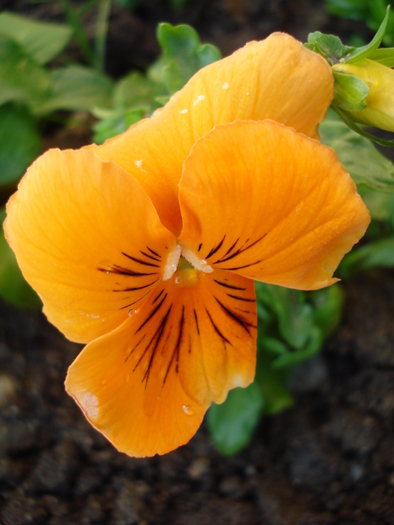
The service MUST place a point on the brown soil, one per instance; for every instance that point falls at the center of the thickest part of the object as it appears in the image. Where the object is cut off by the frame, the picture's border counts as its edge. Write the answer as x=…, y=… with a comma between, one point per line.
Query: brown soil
x=327, y=461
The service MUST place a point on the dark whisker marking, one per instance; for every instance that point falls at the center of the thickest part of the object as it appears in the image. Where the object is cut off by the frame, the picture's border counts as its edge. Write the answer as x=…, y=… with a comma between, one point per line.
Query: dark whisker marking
x=157, y=259
x=231, y=248
x=150, y=316
x=190, y=345
x=156, y=337
x=241, y=298
x=131, y=351
x=217, y=329
x=196, y=319
x=229, y=285
x=134, y=302
x=199, y=246
x=119, y=270
x=157, y=297
x=214, y=250
x=153, y=252
x=177, y=347
x=244, y=266
x=240, y=250
x=236, y=318
x=136, y=287
x=245, y=311
x=140, y=261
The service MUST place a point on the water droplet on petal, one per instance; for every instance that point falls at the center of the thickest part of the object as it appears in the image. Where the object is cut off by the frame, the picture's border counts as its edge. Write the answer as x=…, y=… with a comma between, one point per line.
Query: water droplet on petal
x=188, y=410
x=131, y=312
x=107, y=272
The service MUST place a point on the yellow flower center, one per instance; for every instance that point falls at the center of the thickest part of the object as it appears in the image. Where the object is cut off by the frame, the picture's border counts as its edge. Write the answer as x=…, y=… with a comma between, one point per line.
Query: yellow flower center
x=184, y=264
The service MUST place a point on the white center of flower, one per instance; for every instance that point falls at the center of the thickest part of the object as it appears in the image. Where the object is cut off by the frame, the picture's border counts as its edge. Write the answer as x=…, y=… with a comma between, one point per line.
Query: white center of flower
x=173, y=261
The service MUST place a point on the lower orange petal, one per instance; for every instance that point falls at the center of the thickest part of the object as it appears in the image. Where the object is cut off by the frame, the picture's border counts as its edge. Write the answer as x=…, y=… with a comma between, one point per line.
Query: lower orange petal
x=146, y=386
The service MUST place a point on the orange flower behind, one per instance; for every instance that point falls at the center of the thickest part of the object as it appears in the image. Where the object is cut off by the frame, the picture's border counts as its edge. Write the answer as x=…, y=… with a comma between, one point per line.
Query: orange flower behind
x=146, y=248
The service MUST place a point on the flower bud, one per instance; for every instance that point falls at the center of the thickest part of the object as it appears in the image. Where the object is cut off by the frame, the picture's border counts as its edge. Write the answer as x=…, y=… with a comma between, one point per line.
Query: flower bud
x=380, y=100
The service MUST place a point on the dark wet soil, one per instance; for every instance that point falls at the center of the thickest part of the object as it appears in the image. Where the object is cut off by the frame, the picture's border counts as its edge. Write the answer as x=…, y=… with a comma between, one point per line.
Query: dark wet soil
x=327, y=461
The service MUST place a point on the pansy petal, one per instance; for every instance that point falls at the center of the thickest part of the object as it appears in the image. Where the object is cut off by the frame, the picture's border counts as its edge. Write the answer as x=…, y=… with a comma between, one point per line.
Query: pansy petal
x=88, y=240
x=264, y=201
x=147, y=385
x=276, y=78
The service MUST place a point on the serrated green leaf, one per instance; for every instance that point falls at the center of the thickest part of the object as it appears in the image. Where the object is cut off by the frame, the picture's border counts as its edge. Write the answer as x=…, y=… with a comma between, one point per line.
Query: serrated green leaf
x=360, y=158
x=77, y=88
x=13, y=287
x=232, y=423
x=21, y=78
x=329, y=46
x=41, y=41
x=375, y=254
x=350, y=92
x=20, y=142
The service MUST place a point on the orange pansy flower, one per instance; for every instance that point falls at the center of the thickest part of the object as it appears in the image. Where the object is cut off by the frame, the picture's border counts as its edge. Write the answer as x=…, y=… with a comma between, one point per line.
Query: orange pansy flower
x=146, y=247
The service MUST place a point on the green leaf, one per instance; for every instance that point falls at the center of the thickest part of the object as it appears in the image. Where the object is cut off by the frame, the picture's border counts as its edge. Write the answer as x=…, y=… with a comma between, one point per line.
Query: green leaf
x=290, y=359
x=20, y=142
x=13, y=287
x=384, y=56
x=364, y=52
x=77, y=88
x=294, y=316
x=183, y=55
x=379, y=253
x=379, y=204
x=137, y=90
x=42, y=41
x=360, y=158
x=116, y=123
x=273, y=383
x=21, y=78
x=327, y=308
x=232, y=423
x=329, y=46
x=350, y=92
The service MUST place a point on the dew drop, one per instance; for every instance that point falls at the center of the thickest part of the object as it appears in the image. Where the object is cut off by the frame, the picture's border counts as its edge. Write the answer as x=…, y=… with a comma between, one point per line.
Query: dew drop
x=131, y=312
x=188, y=410
x=107, y=272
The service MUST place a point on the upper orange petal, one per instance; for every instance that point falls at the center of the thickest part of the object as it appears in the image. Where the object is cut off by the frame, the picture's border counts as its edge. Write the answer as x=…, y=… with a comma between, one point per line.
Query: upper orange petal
x=88, y=240
x=264, y=201
x=276, y=78
x=147, y=385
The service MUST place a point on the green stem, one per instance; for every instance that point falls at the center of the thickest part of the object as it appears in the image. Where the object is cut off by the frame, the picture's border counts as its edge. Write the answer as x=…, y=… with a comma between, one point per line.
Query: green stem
x=74, y=20
x=100, y=39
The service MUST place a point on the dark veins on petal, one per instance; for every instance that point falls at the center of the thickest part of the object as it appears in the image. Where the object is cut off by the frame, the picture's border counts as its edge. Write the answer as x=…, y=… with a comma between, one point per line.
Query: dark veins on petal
x=144, y=266
x=167, y=331
x=233, y=252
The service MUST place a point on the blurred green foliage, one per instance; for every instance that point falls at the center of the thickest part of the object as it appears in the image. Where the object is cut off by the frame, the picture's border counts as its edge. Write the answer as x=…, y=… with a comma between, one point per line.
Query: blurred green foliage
x=371, y=12
x=136, y=96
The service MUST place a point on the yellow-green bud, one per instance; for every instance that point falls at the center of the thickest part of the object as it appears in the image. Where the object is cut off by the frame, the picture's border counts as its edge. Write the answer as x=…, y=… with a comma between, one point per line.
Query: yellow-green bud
x=380, y=100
